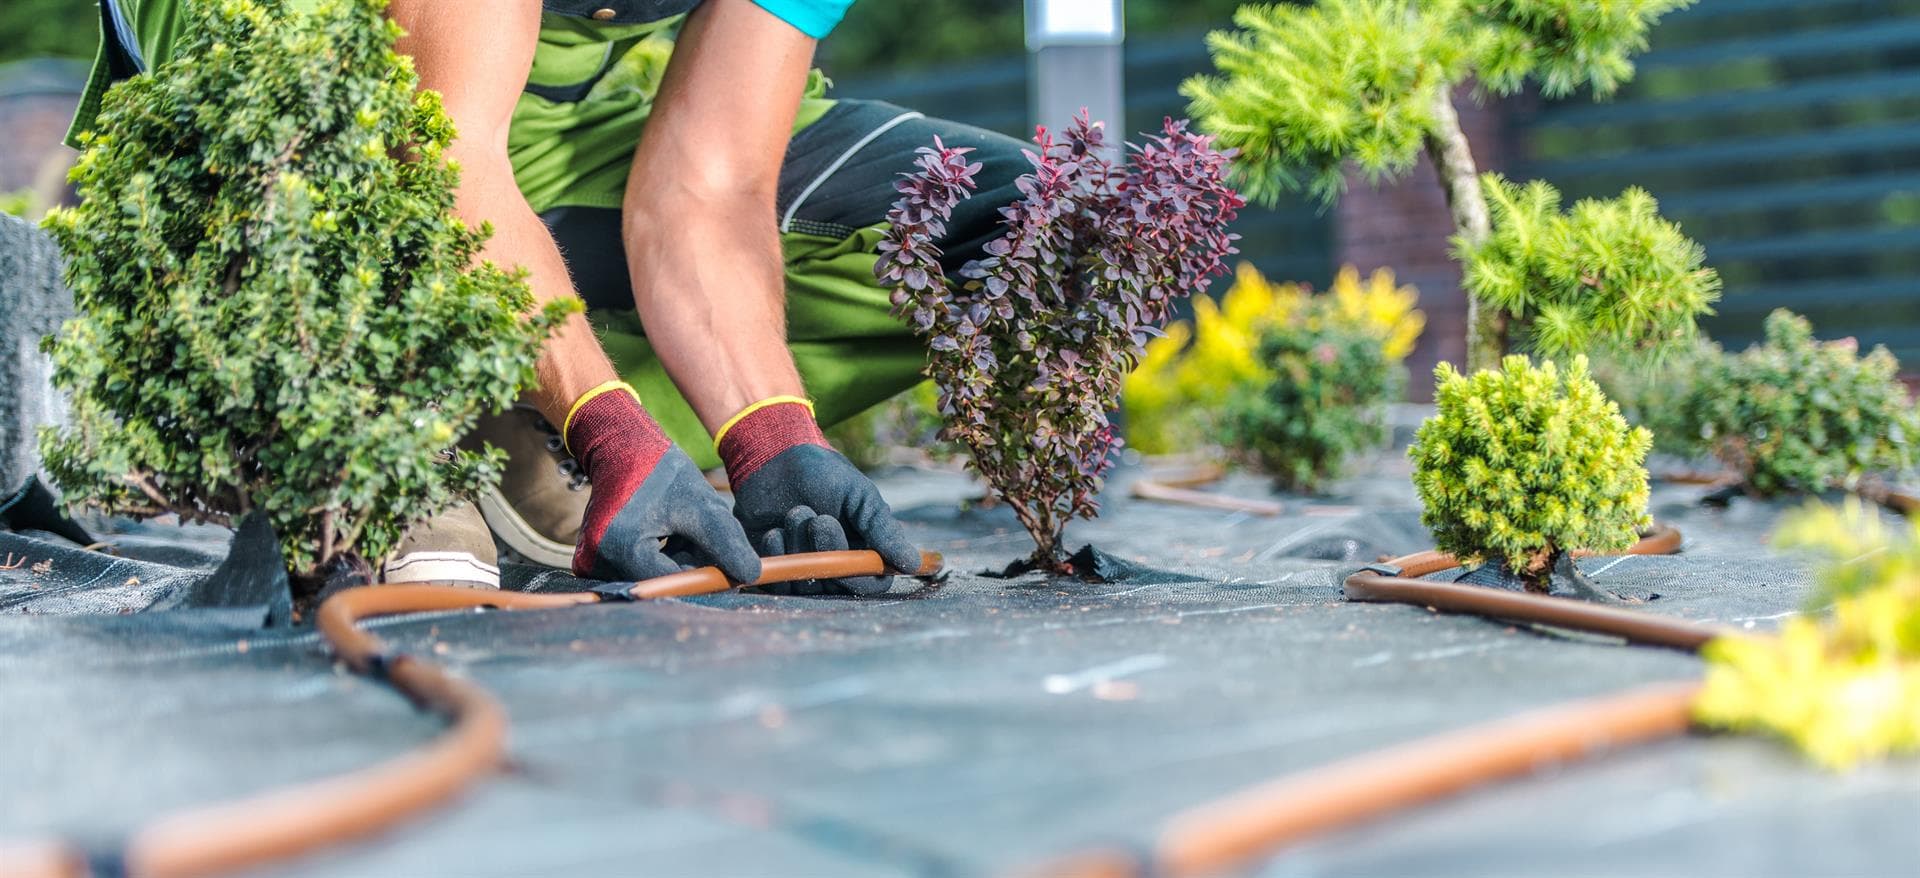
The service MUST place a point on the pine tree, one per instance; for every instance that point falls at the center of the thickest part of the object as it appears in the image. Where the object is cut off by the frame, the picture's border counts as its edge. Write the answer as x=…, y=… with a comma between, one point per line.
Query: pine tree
x=1306, y=91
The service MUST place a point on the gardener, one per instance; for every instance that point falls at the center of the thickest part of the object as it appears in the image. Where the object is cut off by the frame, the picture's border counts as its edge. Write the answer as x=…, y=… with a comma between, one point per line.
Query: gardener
x=726, y=262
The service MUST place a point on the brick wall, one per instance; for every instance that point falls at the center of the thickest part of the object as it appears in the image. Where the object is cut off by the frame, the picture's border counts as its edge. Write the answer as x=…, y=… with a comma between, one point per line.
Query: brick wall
x=36, y=103
x=1405, y=227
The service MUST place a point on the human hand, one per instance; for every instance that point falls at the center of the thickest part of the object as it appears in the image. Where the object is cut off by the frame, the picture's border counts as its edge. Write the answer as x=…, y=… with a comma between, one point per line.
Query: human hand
x=793, y=493
x=646, y=491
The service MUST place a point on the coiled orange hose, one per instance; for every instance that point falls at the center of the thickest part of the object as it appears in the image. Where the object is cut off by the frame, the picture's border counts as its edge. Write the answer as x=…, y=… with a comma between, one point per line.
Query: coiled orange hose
x=298, y=819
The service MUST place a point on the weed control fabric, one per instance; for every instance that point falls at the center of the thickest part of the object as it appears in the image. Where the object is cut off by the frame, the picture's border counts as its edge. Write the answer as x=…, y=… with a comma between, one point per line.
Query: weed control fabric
x=976, y=726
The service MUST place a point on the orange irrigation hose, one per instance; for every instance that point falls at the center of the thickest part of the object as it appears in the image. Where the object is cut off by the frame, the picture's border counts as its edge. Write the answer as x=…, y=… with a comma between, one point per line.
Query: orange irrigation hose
x=1661, y=539
x=1897, y=499
x=1697, y=477
x=1177, y=486
x=1377, y=585
x=1188, y=476
x=1513, y=606
x=293, y=820
x=1235, y=831
x=1153, y=489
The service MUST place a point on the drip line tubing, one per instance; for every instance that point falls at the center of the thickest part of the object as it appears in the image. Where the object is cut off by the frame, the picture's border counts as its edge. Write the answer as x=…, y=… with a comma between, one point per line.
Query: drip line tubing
x=1238, y=830
x=1178, y=486
x=1151, y=489
x=1394, y=582
x=294, y=820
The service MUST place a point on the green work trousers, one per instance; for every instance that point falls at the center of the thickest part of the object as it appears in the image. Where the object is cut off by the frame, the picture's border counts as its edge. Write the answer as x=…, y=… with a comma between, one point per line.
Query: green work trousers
x=836, y=185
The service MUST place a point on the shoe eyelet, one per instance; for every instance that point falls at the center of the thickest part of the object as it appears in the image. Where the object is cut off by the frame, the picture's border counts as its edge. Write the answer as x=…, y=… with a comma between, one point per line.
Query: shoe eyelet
x=568, y=467
x=554, y=444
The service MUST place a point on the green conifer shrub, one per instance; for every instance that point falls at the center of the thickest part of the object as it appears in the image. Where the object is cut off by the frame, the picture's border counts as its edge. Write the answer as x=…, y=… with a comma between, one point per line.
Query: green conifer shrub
x=1603, y=274
x=1306, y=90
x=1795, y=414
x=278, y=312
x=1524, y=463
x=1564, y=45
x=1657, y=393
x=1324, y=401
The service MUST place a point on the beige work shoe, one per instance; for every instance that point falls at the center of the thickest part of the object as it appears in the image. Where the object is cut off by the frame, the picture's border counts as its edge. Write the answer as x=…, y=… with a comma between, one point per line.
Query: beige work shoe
x=452, y=548
x=542, y=497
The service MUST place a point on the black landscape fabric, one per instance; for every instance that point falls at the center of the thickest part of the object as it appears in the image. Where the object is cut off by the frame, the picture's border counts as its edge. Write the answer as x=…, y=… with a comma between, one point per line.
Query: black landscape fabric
x=961, y=728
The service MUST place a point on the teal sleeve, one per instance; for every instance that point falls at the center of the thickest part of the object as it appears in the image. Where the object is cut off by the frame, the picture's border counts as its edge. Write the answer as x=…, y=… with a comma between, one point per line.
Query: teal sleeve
x=815, y=18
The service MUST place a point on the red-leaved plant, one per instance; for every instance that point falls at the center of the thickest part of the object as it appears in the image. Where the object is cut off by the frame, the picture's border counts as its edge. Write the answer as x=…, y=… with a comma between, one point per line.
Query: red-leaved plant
x=1030, y=346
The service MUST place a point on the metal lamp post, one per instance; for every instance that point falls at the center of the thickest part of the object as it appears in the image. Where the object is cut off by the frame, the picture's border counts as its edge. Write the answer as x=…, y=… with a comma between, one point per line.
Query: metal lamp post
x=1073, y=61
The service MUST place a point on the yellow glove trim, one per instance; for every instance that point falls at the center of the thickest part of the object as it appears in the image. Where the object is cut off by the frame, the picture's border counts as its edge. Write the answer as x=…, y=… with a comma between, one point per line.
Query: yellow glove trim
x=771, y=400
x=566, y=429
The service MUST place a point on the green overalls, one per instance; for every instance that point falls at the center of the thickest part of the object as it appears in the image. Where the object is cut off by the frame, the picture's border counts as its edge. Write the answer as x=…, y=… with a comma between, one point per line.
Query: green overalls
x=574, y=129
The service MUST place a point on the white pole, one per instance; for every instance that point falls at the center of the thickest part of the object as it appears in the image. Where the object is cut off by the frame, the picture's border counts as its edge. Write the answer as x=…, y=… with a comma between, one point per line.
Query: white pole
x=1074, y=61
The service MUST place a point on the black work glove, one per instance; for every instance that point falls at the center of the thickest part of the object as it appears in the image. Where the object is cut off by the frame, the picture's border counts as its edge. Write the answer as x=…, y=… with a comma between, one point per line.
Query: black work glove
x=792, y=493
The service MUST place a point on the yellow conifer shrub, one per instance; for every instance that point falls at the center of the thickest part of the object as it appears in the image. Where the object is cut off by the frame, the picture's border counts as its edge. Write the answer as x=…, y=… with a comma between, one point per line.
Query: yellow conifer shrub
x=1844, y=688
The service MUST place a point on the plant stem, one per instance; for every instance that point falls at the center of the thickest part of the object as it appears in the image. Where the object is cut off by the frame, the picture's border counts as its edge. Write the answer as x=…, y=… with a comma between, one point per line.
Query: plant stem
x=326, y=538
x=1460, y=180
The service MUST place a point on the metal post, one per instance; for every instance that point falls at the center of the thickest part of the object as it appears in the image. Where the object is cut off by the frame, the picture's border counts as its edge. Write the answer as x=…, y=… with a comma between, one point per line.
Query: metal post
x=1074, y=61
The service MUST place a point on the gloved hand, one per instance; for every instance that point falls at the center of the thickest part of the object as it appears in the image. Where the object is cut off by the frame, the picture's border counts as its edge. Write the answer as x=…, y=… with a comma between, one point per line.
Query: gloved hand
x=645, y=490
x=794, y=493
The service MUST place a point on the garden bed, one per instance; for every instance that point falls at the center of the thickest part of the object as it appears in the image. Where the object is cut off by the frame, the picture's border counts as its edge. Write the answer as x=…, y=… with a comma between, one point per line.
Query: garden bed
x=964, y=728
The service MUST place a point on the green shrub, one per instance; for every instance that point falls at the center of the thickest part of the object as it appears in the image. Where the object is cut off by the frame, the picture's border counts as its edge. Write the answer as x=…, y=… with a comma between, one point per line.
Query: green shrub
x=1304, y=89
x=1844, y=687
x=1522, y=464
x=1176, y=395
x=1796, y=414
x=1564, y=45
x=278, y=312
x=1324, y=401
x=904, y=428
x=1656, y=392
x=1308, y=91
x=1606, y=274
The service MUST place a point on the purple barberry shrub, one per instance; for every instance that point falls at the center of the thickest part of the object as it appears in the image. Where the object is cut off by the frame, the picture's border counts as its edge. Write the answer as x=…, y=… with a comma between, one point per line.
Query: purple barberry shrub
x=1030, y=344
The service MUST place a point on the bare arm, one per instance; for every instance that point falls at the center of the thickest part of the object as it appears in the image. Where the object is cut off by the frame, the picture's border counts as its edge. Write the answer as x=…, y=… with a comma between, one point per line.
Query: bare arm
x=699, y=212
x=477, y=56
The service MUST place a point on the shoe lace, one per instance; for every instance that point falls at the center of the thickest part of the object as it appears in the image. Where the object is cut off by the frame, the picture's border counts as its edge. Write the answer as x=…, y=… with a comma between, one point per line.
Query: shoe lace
x=576, y=477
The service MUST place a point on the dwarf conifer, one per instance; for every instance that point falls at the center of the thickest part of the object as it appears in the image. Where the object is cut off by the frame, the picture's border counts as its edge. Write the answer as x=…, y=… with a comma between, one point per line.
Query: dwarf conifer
x=1306, y=91
x=1522, y=464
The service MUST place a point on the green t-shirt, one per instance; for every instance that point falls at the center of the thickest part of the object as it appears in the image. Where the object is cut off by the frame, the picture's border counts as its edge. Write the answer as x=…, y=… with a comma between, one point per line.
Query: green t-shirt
x=588, y=94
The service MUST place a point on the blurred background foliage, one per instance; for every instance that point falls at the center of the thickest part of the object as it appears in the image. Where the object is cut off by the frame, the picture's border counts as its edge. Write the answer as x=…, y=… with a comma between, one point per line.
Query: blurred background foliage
x=1783, y=135
x=873, y=38
x=48, y=29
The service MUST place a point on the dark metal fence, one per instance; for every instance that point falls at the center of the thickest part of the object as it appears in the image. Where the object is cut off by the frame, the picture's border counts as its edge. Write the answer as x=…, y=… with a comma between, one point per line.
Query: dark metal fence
x=1290, y=241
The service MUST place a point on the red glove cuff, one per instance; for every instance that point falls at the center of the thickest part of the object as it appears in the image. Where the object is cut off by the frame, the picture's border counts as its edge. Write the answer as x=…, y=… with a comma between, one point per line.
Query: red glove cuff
x=762, y=431
x=611, y=428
